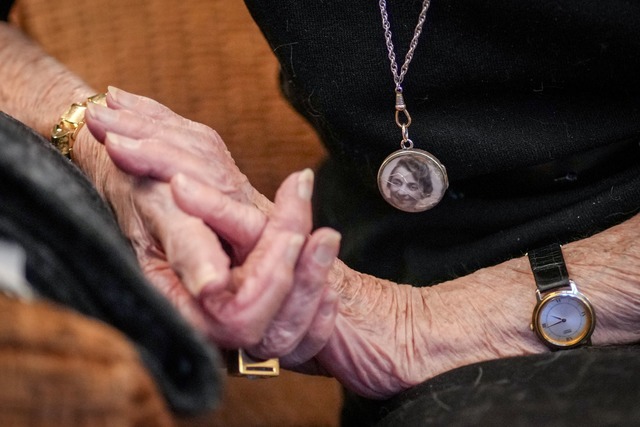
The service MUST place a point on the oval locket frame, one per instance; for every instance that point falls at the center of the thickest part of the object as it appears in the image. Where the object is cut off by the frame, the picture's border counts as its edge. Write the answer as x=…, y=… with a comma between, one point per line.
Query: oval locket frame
x=437, y=176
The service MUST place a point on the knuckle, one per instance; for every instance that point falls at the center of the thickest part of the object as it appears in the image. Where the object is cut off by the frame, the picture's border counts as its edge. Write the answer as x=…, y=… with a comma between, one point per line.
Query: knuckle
x=209, y=134
x=225, y=207
x=278, y=343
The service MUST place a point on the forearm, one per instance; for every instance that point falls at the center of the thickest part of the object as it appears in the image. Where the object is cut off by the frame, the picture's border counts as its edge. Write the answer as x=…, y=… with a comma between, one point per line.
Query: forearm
x=390, y=337
x=36, y=89
x=607, y=269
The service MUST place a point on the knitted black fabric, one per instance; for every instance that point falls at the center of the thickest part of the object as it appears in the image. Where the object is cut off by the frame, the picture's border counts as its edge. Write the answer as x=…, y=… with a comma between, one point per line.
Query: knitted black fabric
x=494, y=87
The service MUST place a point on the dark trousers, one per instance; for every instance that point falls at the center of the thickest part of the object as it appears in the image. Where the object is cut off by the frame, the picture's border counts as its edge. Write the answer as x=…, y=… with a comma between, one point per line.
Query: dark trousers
x=581, y=387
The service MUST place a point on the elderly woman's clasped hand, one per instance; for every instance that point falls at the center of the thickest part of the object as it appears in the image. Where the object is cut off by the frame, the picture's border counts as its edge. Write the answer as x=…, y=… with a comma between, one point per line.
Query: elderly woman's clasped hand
x=250, y=278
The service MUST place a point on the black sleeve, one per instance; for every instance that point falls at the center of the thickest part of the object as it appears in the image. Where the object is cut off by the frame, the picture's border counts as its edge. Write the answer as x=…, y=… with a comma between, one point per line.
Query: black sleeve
x=5, y=6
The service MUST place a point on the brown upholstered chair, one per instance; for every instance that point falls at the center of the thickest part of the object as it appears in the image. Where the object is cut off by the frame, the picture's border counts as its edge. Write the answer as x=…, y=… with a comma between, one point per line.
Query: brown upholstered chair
x=58, y=368
x=206, y=60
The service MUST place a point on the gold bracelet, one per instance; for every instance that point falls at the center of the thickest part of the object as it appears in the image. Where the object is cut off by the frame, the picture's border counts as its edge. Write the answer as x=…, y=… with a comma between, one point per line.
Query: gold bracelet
x=64, y=132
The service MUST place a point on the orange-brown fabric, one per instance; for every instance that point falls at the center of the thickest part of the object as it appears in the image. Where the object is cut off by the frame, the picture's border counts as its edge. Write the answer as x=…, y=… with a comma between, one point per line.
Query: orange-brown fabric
x=58, y=368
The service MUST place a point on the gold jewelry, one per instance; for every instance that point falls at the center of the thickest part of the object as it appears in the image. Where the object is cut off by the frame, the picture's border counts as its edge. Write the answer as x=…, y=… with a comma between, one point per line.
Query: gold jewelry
x=240, y=364
x=64, y=133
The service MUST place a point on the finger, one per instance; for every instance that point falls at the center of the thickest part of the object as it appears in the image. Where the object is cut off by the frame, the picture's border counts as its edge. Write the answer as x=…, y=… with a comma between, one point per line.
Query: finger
x=272, y=277
x=151, y=157
x=292, y=209
x=131, y=123
x=164, y=279
x=192, y=249
x=119, y=99
x=156, y=159
x=100, y=120
x=195, y=254
x=319, y=331
x=237, y=223
x=299, y=309
x=162, y=158
x=262, y=284
x=266, y=277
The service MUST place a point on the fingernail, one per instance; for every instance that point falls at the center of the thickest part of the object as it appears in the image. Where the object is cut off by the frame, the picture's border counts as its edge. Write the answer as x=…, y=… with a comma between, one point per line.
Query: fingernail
x=114, y=92
x=305, y=184
x=122, y=97
x=122, y=141
x=207, y=276
x=293, y=250
x=327, y=250
x=102, y=113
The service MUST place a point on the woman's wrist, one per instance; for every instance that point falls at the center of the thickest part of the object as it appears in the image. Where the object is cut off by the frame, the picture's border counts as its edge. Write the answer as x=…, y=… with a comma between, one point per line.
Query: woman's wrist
x=37, y=89
x=486, y=315
x=606, y=268
x=483, y=316
x=428, y=331
x=92, y=158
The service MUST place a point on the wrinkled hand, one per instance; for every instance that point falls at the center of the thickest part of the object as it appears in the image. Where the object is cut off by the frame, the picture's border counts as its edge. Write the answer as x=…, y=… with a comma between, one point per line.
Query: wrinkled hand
x=271, y=296
x=159, y=143
x=146, y=139
x=279, y=301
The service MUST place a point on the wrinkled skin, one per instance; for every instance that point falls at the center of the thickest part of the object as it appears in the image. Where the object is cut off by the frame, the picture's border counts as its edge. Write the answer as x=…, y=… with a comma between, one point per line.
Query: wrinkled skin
x=239, y=299
x=385, y=337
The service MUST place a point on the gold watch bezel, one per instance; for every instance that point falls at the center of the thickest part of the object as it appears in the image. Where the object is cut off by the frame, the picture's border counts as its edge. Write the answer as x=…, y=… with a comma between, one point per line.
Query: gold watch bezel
x=542, y=301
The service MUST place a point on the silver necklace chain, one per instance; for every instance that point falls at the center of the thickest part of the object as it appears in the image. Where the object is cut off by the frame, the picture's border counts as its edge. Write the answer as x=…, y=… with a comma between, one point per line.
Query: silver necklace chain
x=436, y=172
x=399, y=77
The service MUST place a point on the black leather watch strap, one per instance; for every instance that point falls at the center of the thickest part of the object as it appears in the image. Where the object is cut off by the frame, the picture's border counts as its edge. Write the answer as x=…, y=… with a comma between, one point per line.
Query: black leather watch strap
x=549, y=269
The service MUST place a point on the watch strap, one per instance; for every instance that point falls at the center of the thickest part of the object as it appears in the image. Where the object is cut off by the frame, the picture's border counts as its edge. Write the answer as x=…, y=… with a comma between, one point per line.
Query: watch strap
x=549, y=268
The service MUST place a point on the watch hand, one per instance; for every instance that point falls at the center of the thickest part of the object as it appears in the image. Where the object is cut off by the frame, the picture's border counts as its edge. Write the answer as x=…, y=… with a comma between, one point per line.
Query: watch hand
x=559, y=321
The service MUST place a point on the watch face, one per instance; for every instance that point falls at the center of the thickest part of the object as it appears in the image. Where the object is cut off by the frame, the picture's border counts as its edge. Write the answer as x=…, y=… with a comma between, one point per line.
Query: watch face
x=564, y=319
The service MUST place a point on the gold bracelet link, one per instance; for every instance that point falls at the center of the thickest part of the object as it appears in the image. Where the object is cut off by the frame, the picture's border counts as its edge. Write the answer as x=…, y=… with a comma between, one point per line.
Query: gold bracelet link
x=64, y=133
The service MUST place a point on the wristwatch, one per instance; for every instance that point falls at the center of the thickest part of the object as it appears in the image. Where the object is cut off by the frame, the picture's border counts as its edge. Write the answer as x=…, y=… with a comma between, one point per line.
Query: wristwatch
x=563, y=317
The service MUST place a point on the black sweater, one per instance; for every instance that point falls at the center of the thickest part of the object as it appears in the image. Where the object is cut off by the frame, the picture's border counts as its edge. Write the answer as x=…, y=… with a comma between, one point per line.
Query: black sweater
x=513, y=97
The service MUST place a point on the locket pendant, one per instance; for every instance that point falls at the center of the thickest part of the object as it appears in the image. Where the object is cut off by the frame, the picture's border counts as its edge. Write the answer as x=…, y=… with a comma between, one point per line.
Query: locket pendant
x=409, y=179
x=412, y=180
